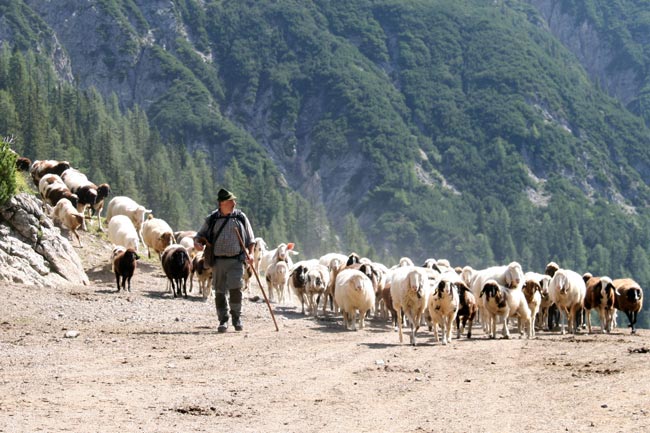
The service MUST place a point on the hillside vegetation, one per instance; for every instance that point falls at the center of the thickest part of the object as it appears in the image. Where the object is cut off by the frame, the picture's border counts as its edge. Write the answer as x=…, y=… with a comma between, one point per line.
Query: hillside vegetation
x=451, y=129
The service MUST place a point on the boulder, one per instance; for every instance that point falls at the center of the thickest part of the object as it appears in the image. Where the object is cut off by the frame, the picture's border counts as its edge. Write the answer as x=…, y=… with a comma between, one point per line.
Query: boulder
x=32, y=249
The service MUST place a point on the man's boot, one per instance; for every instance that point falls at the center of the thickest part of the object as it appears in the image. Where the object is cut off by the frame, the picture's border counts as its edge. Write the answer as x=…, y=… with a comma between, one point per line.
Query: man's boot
x=222, y=311
x=235, y=309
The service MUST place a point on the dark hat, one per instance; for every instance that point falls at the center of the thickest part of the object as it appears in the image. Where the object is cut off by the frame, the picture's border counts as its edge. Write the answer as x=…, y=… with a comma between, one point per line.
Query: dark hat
x=224, y=195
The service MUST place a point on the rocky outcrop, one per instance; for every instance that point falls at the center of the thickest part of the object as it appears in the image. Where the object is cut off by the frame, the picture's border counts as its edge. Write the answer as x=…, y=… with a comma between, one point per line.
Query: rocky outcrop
x=595, y=54
x=32, y=250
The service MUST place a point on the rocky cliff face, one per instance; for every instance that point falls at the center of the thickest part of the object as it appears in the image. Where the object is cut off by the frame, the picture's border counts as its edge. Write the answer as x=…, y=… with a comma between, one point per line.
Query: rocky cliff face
x=114, y=53
x=596, y=55
x=32, y=250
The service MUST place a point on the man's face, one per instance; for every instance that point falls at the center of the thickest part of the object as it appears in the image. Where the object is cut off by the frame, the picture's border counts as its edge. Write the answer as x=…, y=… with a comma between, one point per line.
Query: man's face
x=227, y=205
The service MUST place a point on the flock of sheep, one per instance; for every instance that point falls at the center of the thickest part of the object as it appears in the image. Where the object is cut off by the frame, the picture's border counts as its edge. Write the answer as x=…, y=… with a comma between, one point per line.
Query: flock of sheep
x=434, y=294
x=438, y=295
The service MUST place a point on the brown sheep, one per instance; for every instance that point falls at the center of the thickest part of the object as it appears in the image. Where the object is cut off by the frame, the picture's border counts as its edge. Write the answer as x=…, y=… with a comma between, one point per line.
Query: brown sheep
x=601, y=295
x=40, y=168
x=467, y=310
x=177, y=266
x=629, y=299
x=124, y=262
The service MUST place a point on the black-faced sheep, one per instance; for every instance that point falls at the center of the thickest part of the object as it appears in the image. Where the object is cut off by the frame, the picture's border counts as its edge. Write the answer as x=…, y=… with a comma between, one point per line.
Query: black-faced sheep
x=298, y=281
x=443, y=305
x=629, y=299
x=500, y=301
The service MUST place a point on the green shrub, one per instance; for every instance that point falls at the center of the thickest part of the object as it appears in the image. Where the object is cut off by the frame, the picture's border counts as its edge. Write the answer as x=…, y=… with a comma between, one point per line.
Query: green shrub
x=7, y=172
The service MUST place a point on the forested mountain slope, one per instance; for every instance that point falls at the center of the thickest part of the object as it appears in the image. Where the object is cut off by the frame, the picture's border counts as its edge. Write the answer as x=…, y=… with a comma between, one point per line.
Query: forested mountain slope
x=456, y=129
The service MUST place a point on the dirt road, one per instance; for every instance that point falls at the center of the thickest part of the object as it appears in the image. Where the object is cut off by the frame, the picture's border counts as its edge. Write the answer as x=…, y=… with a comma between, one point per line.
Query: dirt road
x=145, y=362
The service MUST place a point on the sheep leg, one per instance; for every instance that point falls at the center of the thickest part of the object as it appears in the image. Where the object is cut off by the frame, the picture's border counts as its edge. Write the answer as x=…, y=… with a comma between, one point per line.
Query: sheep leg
x=399, y=323
x=362, y=316
x=505, y=331
x=117, y=280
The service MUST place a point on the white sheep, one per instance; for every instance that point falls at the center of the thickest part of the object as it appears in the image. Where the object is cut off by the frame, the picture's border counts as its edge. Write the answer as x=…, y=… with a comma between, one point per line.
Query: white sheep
x=121, y=232
x=122, y=205
x=68, y=216
x=409, y=292
x=282, y=252
x=443, y=304
x=157, y=235
x=353, y=292
x=567, y=290
x=277, y=278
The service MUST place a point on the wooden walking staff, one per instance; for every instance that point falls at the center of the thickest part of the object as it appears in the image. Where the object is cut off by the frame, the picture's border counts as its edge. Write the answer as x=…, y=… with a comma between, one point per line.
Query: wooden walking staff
x=257, y=277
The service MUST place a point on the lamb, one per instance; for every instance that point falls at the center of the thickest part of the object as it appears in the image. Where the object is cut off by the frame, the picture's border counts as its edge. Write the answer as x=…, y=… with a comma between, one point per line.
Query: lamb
x=90, y=195
x=177, y=266
x=501, y=301
x=203, y=275
x=66, y=214
x=40, y=168
x=124, y=263
x=353, y=292
x=277, y=278
x=629, y=299
x=53, y=189
x=567, y=290
x=409, y=291
x=600, y=294
x=157, y=235
x=535, y=285
x=443, y=305
x=121, y=232
x=122, y=205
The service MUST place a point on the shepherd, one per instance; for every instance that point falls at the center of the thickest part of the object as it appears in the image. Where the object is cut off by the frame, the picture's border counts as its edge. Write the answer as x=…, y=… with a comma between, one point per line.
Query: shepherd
x=220, y=237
